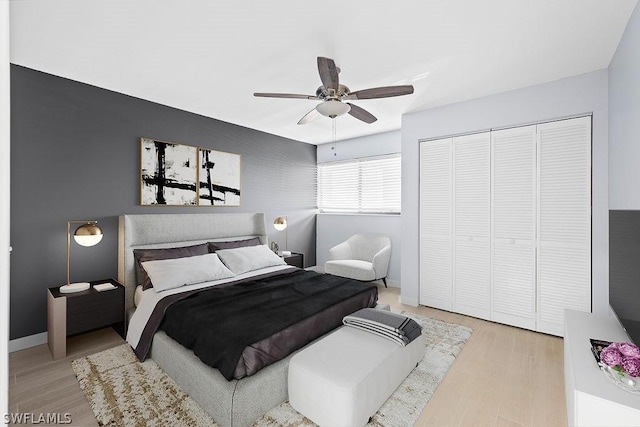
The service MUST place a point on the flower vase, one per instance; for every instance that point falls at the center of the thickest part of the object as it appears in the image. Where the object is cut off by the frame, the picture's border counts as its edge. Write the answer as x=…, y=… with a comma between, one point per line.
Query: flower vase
x=622, y=379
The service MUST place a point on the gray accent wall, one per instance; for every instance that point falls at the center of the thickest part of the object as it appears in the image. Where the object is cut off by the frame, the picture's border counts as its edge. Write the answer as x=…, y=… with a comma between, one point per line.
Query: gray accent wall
x=572, y=96
x=75, y=154
x=624, y=119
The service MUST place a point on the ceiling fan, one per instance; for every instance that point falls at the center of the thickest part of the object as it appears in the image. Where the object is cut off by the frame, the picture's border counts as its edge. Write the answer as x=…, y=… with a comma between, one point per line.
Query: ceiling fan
x=333, y=94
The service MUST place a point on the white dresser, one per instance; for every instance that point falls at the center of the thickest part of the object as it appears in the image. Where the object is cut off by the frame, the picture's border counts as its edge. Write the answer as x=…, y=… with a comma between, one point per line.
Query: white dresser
x=592, y=399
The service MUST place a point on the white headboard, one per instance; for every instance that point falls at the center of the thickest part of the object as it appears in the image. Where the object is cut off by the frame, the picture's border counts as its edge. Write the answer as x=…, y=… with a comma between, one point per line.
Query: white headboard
x=172, y=230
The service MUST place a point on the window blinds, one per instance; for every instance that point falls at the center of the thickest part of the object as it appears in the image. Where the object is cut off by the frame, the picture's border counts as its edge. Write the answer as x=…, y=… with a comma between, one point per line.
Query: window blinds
x=369, y=185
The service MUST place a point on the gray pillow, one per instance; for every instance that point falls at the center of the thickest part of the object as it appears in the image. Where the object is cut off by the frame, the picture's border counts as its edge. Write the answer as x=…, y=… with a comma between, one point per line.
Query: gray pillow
x=143, y=255
x=232, y=244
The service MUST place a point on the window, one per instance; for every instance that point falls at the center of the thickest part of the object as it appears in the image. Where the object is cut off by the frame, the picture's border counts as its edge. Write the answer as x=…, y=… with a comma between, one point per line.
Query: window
x=368, y=185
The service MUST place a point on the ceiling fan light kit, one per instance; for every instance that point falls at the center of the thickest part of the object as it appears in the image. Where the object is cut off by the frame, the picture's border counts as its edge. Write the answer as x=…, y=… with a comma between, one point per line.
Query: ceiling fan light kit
x=333, y=108
x=332, y=94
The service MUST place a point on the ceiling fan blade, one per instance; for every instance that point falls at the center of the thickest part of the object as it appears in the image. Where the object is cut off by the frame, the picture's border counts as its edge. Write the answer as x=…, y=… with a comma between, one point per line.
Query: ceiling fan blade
x=381, y=92
x=361, y=114
x=308, y=117
x=328, y=73
x=285, y=95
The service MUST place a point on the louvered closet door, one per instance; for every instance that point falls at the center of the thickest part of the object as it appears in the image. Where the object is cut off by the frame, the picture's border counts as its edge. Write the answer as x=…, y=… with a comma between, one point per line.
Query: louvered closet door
x=435, y=224
x=471, y=280
x=564, y=221
x=513, y=201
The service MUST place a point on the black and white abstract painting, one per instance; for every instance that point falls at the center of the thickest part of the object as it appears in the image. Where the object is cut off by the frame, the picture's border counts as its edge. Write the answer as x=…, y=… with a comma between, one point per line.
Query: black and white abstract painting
x=219, y=178
x=168, y=173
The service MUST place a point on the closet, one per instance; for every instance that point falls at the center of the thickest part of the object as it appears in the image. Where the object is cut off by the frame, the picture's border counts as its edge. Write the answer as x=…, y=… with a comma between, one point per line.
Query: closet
x=505, y=223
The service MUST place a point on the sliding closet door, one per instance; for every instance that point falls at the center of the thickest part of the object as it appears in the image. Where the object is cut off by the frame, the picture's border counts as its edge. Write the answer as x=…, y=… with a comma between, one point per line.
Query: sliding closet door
x=513, y=207
x=564, y=221
x=471, y=277
x=436, y=267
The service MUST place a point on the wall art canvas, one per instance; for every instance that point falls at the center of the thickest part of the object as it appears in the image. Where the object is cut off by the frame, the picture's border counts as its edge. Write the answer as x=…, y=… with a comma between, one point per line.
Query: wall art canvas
x=168, y=173
x=219, y=178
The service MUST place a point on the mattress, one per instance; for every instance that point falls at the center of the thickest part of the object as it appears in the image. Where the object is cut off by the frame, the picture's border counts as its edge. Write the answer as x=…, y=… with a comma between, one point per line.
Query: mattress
x=137, y=296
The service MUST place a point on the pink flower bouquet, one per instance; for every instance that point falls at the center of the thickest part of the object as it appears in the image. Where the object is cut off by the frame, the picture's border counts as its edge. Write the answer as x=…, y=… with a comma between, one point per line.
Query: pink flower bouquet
x=623, y=357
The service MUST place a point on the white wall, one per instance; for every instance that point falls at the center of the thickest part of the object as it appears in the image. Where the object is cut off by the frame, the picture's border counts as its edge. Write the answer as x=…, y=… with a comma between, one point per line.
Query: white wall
x=4, y=204
x=587, y=93
x=624, y=119
x=366, y=146
x=332, y=229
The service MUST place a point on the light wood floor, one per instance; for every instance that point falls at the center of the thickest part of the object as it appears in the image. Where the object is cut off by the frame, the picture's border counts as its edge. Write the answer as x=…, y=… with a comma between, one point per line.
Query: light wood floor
x=504, y=376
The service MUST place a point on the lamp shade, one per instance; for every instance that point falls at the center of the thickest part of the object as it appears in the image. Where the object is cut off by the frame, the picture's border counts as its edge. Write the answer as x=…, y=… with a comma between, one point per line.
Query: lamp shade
x=88, y=234
x=333, y=108
x=280, y=223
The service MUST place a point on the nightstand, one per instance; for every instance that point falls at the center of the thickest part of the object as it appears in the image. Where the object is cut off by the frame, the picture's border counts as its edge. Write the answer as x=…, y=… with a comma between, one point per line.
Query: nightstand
x=295, y=259
x=71, y=314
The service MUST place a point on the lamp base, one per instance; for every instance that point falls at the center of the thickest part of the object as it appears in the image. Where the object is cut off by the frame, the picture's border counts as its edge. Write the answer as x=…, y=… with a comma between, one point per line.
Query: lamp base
x=74, y=287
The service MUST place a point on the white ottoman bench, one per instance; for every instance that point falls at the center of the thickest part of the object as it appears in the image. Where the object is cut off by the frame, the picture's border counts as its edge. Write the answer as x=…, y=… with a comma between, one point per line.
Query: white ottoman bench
x=343, y=379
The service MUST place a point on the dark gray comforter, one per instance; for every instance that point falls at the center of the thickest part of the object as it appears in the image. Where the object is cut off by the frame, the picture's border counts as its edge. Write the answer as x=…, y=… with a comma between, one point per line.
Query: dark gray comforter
x=242, y=328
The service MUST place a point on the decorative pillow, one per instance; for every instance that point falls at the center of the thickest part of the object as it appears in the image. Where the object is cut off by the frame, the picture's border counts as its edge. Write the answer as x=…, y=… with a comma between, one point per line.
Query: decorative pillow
x=142, y=255
x=173, y=273
x=231, y=244
x=241, y=260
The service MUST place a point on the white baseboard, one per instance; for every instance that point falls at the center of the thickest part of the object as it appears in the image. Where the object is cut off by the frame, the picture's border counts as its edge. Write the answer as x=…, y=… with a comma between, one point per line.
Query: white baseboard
x=26, y=342
x=413, y=302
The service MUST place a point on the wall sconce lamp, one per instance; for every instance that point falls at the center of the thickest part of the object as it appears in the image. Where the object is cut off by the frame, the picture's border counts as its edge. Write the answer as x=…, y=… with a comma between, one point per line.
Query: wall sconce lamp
x=88, y=234
x=280, y=223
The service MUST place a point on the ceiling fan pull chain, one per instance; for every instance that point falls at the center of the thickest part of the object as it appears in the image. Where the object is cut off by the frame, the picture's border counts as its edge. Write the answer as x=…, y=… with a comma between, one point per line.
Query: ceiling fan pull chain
x=333, y=135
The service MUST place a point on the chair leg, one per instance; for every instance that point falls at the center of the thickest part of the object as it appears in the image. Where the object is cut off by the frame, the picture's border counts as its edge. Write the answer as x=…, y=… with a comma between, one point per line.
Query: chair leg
x=384, y=280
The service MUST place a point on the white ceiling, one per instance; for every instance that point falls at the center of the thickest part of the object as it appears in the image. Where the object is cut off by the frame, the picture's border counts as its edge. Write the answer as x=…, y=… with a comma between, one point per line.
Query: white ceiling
x=209, y=56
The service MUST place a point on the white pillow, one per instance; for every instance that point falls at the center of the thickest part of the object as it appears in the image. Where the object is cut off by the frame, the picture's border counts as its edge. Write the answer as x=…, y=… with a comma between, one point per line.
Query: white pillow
x=249, y=258
x=173, y=273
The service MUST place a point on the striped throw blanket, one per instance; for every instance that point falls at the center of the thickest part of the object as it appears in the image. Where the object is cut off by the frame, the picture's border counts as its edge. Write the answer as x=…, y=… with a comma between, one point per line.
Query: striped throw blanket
x=396, y=327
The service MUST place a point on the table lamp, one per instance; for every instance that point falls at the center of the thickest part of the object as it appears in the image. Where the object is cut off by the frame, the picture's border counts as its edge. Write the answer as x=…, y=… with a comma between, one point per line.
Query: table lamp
x=87, y=234
x=280, y=223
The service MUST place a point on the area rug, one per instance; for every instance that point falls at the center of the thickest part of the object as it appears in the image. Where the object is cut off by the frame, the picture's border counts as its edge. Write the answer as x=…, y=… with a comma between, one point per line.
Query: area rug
x=125, y=392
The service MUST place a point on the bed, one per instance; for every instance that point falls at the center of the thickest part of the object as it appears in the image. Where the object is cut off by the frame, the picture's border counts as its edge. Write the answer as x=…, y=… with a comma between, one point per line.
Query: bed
x=235, y=402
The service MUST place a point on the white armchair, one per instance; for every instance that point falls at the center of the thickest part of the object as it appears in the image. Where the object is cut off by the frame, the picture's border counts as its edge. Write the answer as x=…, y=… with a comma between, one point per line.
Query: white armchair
x=364, y=256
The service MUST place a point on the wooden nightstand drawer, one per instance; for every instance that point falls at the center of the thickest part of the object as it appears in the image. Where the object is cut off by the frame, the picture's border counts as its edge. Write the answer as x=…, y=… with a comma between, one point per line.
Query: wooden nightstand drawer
x=95, y=310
